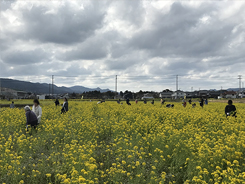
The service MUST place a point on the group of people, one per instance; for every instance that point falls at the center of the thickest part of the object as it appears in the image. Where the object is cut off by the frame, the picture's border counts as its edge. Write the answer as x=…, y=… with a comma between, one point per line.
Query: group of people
x=230, y=109
x=33, y=116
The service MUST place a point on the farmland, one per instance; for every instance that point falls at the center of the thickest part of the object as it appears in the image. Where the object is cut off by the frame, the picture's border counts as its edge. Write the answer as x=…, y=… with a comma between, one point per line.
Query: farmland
x=111, y=143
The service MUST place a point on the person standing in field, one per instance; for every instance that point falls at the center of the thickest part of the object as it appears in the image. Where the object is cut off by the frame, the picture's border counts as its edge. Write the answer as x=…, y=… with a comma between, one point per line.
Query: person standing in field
x=57, y=102
x=206, y=101
x=201, y=102
x=64, y=106
x=136, y=101
x=190, y=101
x=31, y=118
x=145, y=102
x=37, y=110
x=152, y=102
x=230, y=109
x=12, y=105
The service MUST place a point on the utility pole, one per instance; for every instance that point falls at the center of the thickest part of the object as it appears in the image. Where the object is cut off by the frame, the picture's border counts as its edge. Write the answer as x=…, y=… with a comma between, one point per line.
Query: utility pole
x=239, y=78
x=116, y=84
x=49, y=85
x=177, y=86
x=1, y=89
x=52, y=86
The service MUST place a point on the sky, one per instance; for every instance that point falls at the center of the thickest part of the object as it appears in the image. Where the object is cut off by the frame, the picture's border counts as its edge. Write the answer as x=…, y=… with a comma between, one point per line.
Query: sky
x=145, y=43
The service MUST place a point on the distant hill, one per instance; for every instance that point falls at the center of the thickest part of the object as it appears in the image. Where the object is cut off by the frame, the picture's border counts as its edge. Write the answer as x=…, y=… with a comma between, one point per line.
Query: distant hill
x=43, y=88
x=233, y=89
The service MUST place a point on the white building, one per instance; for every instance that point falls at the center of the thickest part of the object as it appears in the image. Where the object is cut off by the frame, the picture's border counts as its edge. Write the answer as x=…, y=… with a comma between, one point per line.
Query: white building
x=147, y=96
x=166, y=94
x=41, y=97
x=178, y=94
x=230, y=94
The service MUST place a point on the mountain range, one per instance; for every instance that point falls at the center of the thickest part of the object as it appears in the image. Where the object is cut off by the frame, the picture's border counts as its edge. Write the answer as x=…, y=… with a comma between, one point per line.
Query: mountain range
x=44, y=88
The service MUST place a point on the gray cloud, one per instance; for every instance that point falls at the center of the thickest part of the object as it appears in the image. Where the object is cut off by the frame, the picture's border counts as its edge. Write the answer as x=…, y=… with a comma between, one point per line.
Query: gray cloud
x=28, y=57
x=203, y=42
x=62, y=24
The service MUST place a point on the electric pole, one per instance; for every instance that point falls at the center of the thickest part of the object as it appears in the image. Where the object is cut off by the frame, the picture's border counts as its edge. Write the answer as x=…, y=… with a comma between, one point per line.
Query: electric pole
x=176, y=86
x=239, y=78
x=116, y=85
x=52, y=86
x=49, y=87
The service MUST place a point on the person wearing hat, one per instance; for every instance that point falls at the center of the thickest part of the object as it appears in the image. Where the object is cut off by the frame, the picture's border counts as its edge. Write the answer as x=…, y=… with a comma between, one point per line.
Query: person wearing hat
x=31, y=118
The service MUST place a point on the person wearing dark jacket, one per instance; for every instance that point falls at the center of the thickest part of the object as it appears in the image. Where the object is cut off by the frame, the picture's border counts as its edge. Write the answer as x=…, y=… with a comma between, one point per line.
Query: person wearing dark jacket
x=31, y=118
x=201, y=102
x=230, y=109
x=127, y=101
x=64, y=106
x=57, y=102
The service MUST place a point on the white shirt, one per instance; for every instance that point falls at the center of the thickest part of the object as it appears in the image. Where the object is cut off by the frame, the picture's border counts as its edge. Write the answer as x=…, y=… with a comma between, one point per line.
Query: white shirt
x=38, y=111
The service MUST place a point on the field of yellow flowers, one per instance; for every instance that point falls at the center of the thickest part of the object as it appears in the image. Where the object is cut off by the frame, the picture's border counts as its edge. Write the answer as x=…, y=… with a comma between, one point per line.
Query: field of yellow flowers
x=111, y=143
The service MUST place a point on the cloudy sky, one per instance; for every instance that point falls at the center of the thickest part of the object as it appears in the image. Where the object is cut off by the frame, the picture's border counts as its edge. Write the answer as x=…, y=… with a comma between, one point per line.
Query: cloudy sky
x=145, y=43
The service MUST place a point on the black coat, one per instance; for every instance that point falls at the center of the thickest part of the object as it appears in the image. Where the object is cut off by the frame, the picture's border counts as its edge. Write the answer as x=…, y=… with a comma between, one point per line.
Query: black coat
x=65, y=107
x=230, y=108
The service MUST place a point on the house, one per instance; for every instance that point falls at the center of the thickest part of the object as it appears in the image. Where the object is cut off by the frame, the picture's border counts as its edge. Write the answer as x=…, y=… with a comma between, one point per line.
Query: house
x=230, y=94
x=178, y=94
x=166, y=94
x=213, y=94
x=241, y=94
x=147, y=96
x=203, y=93
x=43, y=97
x=10, y=93
x=193, y=94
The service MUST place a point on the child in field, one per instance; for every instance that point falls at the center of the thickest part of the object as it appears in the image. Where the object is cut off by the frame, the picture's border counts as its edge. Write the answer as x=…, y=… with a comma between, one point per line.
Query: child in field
x=230, y=110
x=206, y=101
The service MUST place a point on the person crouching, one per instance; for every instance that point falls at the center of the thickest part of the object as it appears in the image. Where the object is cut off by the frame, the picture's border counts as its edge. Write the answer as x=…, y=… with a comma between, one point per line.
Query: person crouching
x=31, y=118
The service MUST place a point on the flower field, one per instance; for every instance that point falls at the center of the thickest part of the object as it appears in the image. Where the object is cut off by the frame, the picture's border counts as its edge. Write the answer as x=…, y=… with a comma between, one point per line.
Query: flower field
x=111, y=143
